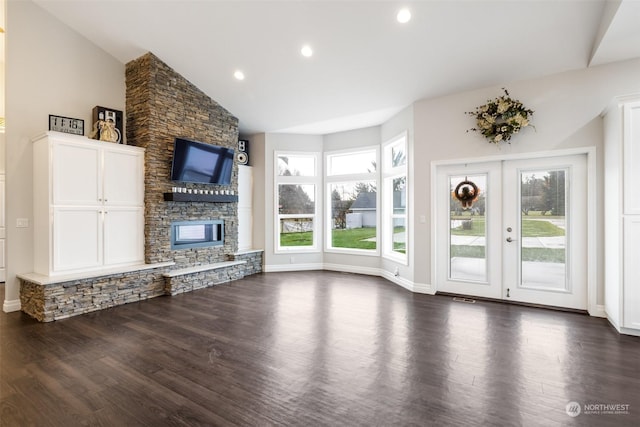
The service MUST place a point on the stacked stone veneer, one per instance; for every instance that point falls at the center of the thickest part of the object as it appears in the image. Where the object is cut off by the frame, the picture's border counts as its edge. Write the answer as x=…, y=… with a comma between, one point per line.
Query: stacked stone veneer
x=55, y=301
x=250, y=263
x=160, y=106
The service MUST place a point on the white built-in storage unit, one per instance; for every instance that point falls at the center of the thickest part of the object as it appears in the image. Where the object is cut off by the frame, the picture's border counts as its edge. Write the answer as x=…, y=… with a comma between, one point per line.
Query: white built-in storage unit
x=3, y=229
x=88, y=204
x=245, y=208
x=622, y=214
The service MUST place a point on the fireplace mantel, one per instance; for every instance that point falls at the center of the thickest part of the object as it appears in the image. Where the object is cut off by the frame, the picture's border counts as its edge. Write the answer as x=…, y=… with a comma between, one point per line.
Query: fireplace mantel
x=212, y=198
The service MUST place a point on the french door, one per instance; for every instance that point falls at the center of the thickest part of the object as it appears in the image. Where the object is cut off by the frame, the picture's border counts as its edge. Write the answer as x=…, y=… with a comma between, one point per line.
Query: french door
x=514, y=230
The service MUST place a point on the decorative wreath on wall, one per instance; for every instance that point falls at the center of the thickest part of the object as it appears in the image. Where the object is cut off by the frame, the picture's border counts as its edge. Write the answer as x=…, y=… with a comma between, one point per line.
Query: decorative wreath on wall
x=499, y=119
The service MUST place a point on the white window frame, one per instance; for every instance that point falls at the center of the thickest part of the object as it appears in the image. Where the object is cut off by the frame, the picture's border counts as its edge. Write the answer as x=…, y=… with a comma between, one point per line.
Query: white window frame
x=355, y=177
x=315, y=180
x=389, y=173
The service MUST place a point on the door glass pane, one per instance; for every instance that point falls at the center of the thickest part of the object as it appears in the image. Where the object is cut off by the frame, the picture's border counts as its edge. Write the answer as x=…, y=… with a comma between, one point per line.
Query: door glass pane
x=467, y=231
x=543, y=248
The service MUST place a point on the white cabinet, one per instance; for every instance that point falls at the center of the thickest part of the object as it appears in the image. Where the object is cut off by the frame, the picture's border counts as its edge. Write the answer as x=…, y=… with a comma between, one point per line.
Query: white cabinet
x=2, y=228
x=622, y=215
x=245, y=208
x=631, y=154
x=88, y=204
x=631, y=272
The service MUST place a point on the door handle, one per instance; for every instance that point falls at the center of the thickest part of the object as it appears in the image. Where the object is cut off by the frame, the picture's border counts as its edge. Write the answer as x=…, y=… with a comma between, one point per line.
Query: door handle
x=509, y=239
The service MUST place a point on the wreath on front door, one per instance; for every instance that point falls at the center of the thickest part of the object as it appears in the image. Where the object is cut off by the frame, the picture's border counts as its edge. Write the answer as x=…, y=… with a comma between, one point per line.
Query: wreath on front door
x=466, y=193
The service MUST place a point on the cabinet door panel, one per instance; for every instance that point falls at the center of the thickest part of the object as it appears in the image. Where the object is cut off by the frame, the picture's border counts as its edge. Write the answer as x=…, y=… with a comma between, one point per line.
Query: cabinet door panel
x=76, y=177
x=123, y=236
x=245, y=186
x=123, y=178
x=631, y=290
x=245, y=229
x=631, y=158
x=77, y=239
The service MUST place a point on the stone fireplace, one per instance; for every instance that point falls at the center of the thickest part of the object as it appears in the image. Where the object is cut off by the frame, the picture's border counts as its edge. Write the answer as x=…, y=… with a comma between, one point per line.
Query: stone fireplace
x=161, y=106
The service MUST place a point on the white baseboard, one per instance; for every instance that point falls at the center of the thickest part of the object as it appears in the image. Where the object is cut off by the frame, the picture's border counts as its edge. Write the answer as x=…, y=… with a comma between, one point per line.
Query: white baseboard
x=421, y=288
x=418, y=288
x=10, y=306
x=627, y=331
x=278, y=268
x=369, y=271
x=400, y=281
x=424, y=288
x=598, y=312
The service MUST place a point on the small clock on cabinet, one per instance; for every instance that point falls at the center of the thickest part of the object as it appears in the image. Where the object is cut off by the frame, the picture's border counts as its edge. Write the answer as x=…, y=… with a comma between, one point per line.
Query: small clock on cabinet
x=66, y=124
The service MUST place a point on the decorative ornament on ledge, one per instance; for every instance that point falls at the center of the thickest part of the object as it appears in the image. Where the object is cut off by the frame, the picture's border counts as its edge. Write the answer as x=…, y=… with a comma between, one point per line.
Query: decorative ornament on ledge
x=499, y=119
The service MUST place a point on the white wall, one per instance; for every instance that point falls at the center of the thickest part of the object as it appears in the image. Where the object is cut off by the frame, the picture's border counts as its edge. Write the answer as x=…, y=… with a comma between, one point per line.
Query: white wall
x=567, y=115
x=50, y=69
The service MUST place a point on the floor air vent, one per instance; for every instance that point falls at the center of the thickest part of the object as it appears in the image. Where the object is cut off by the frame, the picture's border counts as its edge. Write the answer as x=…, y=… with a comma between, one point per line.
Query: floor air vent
x=462, y=299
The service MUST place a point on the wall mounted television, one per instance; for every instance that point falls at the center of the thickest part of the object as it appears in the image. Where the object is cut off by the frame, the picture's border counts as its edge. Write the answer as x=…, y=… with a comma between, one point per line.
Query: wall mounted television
x=201, y=163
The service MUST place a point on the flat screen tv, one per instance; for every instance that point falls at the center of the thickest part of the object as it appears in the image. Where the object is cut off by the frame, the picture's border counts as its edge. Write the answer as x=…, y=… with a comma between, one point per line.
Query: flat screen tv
x=201, y=163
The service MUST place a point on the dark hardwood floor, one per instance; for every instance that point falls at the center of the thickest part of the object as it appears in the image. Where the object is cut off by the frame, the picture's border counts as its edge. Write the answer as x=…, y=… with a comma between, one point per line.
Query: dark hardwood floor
x=315, y=349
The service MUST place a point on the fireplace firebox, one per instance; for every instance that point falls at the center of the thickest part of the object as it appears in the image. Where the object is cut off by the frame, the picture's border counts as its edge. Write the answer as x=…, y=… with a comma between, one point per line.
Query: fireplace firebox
x=197, y=234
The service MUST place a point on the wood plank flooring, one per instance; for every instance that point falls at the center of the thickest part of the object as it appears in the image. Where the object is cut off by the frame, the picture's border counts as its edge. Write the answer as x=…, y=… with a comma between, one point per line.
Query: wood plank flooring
x=315, y=349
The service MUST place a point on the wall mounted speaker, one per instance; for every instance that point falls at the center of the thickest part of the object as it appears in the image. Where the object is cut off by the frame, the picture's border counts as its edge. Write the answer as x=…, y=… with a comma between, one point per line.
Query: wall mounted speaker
x=242, y=156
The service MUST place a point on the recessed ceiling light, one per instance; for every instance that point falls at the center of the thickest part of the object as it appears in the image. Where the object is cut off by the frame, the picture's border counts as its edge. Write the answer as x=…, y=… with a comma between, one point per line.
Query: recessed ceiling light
x=239, y=75
x=306, y=51
x=403, y=16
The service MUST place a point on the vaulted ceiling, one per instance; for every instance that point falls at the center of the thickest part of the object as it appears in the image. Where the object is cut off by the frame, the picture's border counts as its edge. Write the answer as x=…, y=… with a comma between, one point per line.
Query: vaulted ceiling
x=366, y=66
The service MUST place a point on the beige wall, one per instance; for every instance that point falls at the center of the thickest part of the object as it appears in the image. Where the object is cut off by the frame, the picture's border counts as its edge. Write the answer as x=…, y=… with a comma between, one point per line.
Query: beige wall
x=50, y=69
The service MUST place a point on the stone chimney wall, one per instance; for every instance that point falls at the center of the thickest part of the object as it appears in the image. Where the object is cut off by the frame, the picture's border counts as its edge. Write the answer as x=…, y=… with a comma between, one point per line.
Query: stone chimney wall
x=160, y=106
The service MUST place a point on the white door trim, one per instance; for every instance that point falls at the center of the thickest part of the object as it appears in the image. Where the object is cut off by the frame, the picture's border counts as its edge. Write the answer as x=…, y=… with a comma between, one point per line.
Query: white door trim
x=592, y=213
